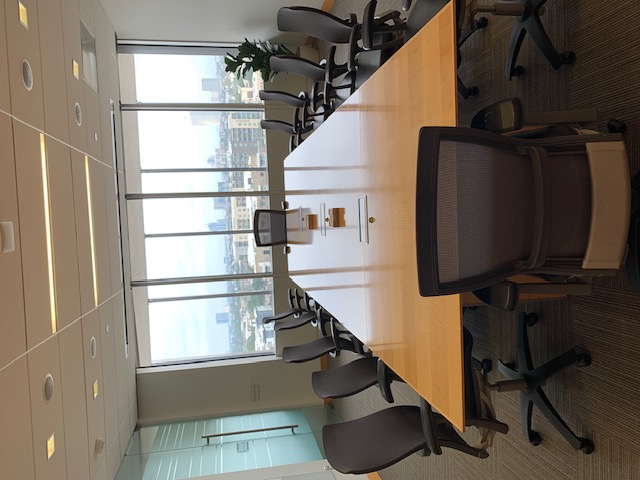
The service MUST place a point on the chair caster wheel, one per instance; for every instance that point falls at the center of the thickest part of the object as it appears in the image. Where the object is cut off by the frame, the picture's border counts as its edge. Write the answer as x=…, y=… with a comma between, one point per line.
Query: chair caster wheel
x=584, y=360
x=534, y=438
x=486, y=365
x=517, y=71
x=482, y=22
x=586, y=446
x=615, y=126
x=568, y=57
x=531, y=319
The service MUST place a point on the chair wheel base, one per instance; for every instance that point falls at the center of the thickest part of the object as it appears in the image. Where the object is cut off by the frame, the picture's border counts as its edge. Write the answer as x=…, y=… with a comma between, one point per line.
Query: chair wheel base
x=586, y=446
x=531, y=319
x=517, y=71
x=584, y=360
x=615, y=126
x=486, y=365
x=534, y=438
x=568, y=57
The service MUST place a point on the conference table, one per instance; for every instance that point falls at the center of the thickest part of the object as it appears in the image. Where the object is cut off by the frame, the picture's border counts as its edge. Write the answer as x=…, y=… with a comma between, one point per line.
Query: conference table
x=363, y=159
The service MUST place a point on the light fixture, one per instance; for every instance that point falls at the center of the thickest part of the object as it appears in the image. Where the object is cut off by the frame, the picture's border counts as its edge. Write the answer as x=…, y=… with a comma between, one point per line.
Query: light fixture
x=51, y=446
x=91, y=230
x=48, y=230
x=22, y=15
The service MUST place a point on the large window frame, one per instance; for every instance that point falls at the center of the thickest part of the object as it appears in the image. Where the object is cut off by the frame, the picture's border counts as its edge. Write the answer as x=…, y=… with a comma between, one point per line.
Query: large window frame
x=140, y=286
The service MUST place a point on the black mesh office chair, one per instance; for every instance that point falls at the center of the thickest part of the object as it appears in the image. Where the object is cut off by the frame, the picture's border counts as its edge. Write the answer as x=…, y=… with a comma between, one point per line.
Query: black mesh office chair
x=337, y=340
x=295, y=130
x=425, y=10
x=320, y=24
x=311, y=106
x=490, y=206
x=335, y=76
x=302, y=311
x=354, y=377
x=270, y=228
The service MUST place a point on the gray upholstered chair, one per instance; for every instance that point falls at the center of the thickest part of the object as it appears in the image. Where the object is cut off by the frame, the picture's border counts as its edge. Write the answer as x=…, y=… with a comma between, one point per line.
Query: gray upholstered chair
x=490, y=206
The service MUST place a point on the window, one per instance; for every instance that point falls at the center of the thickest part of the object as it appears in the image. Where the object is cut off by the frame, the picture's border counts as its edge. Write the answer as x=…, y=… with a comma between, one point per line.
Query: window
x=196, y=168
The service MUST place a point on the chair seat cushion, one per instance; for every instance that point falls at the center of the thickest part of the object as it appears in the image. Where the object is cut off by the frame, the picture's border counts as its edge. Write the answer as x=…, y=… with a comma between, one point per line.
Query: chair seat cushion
x=374, y=442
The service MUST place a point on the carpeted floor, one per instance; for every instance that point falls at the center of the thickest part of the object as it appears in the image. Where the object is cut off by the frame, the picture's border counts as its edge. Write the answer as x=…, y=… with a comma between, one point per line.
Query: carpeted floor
x=602, y=401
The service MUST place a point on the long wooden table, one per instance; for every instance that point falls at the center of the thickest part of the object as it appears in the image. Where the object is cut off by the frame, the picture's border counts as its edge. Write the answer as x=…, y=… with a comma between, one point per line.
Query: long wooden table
x=363, y=159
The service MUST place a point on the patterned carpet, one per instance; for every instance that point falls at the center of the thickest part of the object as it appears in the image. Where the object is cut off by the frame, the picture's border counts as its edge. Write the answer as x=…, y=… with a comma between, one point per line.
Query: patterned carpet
x=601, y=401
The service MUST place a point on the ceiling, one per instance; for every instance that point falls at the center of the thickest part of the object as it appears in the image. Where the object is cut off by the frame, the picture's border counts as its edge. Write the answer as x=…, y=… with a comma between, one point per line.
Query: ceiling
x=217, y=21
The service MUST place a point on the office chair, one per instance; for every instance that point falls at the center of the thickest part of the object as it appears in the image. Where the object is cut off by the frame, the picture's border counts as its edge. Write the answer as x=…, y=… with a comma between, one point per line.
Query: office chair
x=335, y=77
x=320, y=24
x=526, y=15
x=311, y=106
x=302, y=311
x=354, y=377
x=491, y=206
x=318, y=318
x=385, y=437
x=425, y=10
x=337, y=340
x=295, y=130
x=270, y=228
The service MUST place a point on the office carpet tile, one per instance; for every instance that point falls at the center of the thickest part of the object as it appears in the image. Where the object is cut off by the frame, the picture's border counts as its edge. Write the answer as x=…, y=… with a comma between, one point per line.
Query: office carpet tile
x=601, y=401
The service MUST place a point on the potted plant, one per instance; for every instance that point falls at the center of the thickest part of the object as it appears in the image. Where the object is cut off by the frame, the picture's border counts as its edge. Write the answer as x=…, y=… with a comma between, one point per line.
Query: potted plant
x=254, y=56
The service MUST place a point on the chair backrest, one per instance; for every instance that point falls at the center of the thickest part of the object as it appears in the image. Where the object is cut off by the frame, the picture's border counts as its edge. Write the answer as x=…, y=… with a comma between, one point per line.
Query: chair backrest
x=278, y=125
x=270, y=227
x=297, y=65
x=490, y=206
x=284, y=97
x=476, y=212
x=316, y=23
x=422, y=12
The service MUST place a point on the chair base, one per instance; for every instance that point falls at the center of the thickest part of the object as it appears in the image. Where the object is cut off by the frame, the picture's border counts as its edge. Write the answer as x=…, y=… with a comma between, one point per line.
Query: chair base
x=530, y=23
x=534, y=378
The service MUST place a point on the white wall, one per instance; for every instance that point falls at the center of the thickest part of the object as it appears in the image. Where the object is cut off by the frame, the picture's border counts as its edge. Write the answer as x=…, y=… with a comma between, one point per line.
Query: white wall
x=218, y=389
x=200, y=20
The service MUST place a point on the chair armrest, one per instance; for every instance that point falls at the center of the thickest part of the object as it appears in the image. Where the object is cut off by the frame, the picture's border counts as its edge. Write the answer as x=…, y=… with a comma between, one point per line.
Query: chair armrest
x=429, y=427
x=610, y=205
x=385, y=375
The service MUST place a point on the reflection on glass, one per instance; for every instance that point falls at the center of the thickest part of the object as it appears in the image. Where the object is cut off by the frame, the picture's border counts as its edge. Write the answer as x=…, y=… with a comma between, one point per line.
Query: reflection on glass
x=206, y=328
